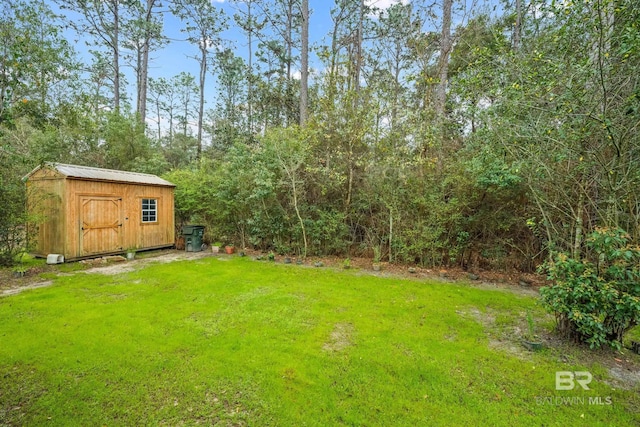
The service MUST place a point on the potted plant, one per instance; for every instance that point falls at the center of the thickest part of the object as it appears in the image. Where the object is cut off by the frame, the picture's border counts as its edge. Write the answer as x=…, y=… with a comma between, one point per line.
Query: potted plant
x=229, y=249
x=530, y=339
x=131, y=253
x=19, y=271
x=215, y=247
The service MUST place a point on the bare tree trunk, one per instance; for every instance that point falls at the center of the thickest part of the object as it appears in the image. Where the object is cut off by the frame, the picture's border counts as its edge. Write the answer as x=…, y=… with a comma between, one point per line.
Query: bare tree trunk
x=390, y=234
x=295, y=205
x=4, y=94
x=304, y=64
x=203, y=74
x=250, y=75
x=116, y=55
x=604, y=15
x=171, y=127
x=517, y=30
x=443, y=61
x=291, y=174
x=159, y=127
x=350, y=180
x=577, y=243
x=143, y=71
x=333, y=68
x=289, y=38
x=358, y=52
x=289, y=41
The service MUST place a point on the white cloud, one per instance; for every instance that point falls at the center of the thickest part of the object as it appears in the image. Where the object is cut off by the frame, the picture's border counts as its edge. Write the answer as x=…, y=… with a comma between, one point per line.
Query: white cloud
x=384, y=4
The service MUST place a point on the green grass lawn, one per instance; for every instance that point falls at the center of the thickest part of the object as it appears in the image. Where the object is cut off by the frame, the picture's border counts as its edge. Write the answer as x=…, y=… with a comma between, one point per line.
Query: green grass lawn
x=241, y=342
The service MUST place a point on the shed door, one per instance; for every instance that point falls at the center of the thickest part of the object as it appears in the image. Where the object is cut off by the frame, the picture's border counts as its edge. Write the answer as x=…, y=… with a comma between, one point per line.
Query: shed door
x=100, y=225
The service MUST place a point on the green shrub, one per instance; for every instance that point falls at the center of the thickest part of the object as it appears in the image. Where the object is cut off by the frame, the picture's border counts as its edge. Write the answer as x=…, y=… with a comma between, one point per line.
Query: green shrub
x=17, y=225
x=596, y=300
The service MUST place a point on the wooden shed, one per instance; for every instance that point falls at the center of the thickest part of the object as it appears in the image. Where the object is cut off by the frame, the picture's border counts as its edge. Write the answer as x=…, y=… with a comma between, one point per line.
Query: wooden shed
x=88, y=212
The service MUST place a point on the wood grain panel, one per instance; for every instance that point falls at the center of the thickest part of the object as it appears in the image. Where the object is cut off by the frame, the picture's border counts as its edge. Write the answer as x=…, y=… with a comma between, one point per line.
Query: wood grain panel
x=100, y=225
x=82, y=216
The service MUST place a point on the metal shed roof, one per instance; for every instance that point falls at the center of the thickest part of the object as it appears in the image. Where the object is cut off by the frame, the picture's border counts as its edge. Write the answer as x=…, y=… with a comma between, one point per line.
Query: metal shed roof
x=86, y=172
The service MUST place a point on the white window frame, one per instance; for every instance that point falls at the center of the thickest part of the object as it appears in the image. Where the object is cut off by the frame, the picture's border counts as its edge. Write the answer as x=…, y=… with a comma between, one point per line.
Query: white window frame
x=149, y=214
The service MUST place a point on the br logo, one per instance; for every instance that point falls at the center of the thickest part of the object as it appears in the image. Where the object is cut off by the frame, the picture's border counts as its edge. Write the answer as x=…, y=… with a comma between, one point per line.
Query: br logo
x=566, y=380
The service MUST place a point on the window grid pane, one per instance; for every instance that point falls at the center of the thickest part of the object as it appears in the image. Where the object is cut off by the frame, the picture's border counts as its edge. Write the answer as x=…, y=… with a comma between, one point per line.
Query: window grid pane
x=149, y=210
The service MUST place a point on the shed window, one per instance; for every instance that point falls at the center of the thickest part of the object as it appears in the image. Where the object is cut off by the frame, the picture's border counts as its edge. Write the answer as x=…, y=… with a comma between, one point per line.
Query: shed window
x=149, y=210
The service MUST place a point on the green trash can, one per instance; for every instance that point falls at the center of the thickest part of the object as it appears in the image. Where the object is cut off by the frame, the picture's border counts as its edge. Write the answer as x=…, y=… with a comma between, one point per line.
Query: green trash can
x=193, y=235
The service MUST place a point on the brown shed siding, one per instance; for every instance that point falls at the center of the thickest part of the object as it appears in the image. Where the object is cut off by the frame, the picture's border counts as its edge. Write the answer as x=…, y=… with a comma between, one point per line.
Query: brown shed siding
x=87, y=217
x=134, y=233
x=46, y=200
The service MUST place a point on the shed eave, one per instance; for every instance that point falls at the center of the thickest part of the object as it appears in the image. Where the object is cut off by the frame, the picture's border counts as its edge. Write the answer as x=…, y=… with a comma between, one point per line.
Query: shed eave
x=111, y=181
x=88, y=173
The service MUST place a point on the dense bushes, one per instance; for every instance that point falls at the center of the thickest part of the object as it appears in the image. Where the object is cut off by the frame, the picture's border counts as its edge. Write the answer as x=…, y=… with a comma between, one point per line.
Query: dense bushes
x=287, y=194
x=597, y=299
x=14, y=232
x=12, y=221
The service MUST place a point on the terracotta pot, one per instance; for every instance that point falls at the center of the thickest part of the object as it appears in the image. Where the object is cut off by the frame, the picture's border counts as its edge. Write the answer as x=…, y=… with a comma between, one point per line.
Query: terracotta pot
x=229, y=249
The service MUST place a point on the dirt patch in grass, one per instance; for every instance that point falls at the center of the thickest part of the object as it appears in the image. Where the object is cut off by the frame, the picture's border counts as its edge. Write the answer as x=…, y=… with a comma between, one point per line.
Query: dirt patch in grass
x=10, y=285
x=9, y=281
x=341, y=337
x=161, y=258
x=502, y=339
x=625, y=377
x=17, y=290
x=510, y=347
x=486, y=319
x=623, y=367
